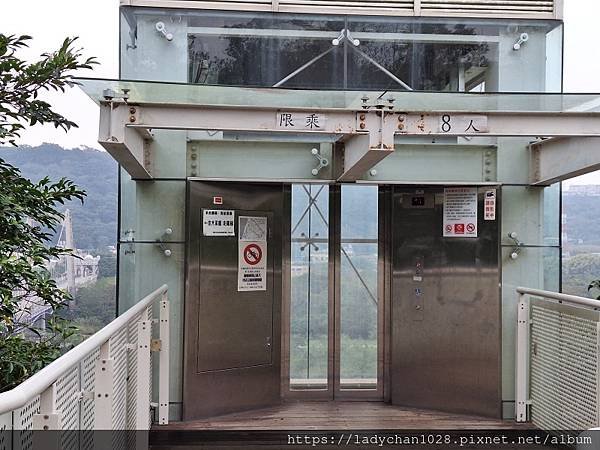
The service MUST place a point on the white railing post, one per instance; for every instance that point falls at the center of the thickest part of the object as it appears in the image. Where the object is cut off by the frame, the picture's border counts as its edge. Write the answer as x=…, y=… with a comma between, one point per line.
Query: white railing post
x=163, y=374
x=522, y=360
x=48, y=419
x=103, y=392
x=144, y=336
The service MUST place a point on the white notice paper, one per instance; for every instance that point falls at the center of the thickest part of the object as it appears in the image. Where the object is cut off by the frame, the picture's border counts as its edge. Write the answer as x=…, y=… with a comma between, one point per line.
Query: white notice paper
x=252, y=254
x=217, y=222
x=460, y=212
x=253, y=228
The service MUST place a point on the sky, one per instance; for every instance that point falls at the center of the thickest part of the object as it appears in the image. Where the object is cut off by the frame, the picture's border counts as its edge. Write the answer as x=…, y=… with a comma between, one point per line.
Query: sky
x=95, y=22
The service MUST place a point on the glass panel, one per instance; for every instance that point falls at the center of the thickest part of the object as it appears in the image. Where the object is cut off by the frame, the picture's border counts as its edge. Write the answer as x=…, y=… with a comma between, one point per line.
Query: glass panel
x=143, y=267
x=302, y=63
x=552, y=215
x=260, y=49
x=152, y=211
x=309, y=287
x=358, y=282
x=194, y=94
x=536, y=267
x=580, y=235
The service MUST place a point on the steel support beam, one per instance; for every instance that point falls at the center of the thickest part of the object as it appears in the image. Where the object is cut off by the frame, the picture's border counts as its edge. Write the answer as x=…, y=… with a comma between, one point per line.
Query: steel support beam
x=368, y=134
x=126, y=145
x=558, y=159
x=362, y=152
x=359, y=157
x=525, y=124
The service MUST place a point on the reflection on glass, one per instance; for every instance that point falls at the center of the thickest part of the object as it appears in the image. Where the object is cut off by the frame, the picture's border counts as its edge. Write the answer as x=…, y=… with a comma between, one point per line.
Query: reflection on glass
x=309, y=287
x=349, y=52
x=358, y=268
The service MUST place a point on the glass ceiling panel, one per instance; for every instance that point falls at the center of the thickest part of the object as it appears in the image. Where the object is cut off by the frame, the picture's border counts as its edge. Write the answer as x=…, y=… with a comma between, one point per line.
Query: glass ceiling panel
x=141, y=92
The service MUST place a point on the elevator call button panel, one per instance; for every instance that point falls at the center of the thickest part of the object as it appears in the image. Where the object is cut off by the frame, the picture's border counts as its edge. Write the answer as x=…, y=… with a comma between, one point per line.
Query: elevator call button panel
x=418, y=296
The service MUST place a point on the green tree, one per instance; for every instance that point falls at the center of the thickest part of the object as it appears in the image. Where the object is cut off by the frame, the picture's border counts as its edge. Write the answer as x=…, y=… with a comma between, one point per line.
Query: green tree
x=94, y=305
x=28, y=212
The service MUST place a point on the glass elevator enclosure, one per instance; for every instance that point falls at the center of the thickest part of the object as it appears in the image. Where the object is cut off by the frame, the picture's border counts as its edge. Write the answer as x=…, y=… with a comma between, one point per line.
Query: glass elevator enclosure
x=337, y=300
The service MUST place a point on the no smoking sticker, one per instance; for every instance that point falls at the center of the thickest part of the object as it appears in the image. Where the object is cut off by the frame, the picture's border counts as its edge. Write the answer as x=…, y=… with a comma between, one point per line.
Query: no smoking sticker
x=252, y=254
x=252, y=257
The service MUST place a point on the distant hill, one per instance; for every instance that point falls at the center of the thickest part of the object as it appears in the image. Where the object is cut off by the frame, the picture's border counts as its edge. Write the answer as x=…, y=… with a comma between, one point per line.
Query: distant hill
x=582, y=218
x=94, y=222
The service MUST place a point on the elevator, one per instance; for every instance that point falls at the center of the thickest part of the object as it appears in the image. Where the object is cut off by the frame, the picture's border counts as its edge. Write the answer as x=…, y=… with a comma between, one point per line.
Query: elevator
x=308, y=292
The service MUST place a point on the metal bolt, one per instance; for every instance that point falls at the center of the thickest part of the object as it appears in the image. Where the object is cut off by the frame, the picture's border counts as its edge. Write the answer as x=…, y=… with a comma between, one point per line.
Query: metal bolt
x=193, y=173
x=194, y=148
x=401, y=126
x=46, y=417
x=362, y=117
x=193, y=156
x=194, y=165
x=400, y=118
x=373, y=172
x=362, y=125
x=132, y=110
x=132, y=119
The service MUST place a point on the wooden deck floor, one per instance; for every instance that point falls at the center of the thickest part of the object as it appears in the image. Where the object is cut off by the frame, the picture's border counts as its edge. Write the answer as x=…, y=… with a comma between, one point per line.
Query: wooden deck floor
x=343, y=416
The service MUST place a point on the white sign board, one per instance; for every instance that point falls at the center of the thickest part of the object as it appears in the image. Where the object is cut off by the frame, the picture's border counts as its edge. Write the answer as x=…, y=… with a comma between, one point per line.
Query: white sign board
x=308, y=121
x=489, y=212
x=252, y=254
x=217, y=222
x=460, y=212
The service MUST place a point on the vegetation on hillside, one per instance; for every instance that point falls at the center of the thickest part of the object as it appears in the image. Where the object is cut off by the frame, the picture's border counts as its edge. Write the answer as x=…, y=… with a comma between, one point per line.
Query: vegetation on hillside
x=29, y=214
x=95, y=224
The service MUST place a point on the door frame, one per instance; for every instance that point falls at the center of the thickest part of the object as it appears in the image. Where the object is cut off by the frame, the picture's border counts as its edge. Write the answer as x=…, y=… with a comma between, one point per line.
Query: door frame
x=334, y=391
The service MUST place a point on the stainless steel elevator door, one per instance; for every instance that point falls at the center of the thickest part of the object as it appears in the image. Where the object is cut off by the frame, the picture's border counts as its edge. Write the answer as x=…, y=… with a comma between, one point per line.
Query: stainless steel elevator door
x=235, y=328
x=233, y=298
x=445, y=304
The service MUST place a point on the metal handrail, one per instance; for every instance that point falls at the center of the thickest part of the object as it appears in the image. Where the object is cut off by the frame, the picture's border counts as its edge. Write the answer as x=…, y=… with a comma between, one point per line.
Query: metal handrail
x=563, y=298
x=523, y=340
x=40, y=381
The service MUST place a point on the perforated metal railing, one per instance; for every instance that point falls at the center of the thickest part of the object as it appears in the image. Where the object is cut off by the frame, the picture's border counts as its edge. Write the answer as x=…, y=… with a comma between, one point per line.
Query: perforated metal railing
x=104, y=383
x=558, y=367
